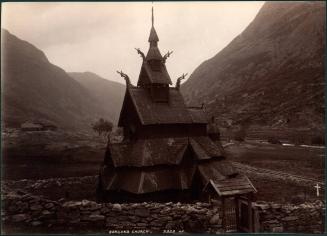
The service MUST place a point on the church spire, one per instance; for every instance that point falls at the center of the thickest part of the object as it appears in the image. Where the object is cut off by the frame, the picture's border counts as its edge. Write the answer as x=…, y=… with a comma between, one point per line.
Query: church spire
x=152, y=19
x=153, y=38
x=153, y=69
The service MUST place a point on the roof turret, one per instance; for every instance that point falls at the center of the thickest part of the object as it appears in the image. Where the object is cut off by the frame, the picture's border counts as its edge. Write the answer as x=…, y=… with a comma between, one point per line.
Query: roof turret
x=153, y=69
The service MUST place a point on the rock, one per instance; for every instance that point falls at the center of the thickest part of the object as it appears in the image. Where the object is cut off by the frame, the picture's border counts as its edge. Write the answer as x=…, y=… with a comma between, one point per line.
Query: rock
x=71, y=204
x=20, y=217
x=36, y=207
x=61, y=200
x=46, y=212
x=35, y=199
x=85, y=202
x=143, y=212
x=214, y=220
x=104, y=210
x=276, y=206
x=75, y=221
x=97, y=212
x=263, y=206
x=21, y=192
x=23, y=206
x=90, y=205
x=133, y=217
x=96, y=217
x=116, y=207
x=290, y=218
x=141, y=224
x=270, y=222
x=49, y=205
x=278, y=229
x=36, y=223
x=13, y=208
x=112, y=221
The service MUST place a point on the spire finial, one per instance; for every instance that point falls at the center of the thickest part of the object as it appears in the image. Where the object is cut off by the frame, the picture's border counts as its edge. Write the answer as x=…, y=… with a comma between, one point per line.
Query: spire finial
x=152, y=19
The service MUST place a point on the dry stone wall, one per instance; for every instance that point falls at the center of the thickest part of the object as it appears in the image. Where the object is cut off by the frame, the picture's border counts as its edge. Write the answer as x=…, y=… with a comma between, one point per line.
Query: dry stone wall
x=138, y=217
x=21, y=208
x=303, y=218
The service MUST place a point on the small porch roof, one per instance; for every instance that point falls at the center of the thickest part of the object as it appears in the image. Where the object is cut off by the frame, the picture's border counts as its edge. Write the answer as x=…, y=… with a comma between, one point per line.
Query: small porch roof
x=228, y=187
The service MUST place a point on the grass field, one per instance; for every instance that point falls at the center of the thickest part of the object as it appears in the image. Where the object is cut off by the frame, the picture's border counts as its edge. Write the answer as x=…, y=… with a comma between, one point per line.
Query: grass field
x=305, y=161
x=40, y=155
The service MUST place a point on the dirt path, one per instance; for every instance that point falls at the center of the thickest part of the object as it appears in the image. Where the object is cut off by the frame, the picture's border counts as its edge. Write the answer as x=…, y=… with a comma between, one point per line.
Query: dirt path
x=247, y=169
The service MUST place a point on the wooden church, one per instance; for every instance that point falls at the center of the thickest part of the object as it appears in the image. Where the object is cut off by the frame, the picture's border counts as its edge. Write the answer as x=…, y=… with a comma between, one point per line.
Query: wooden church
x=166, y=153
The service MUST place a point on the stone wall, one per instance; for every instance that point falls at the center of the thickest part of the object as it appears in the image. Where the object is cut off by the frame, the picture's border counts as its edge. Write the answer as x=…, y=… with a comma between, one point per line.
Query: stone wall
x=138, y=217
x=20, y=208
x=289, y=218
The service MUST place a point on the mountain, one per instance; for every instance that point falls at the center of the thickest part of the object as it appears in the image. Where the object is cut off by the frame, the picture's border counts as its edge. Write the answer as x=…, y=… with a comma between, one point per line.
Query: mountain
x=34, y=89
x=110, y=94
x=271, y=75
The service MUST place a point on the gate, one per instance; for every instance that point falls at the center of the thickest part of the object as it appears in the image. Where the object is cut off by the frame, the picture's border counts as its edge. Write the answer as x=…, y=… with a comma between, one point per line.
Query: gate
x=228, y=212
x=248, y=217
x=238, y=215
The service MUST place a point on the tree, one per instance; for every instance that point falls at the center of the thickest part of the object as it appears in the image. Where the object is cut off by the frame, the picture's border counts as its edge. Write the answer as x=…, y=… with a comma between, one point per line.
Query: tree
x=102, y=127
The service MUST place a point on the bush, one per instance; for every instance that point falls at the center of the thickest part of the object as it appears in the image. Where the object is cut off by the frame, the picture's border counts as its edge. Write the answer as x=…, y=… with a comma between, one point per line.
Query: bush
x=102, y=127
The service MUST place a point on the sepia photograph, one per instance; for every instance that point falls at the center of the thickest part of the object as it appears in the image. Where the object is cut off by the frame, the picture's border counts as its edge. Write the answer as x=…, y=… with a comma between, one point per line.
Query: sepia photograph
x=177, y=117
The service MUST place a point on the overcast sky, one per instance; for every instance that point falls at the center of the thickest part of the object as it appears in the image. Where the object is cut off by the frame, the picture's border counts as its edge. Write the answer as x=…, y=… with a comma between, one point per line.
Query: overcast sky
x=101, y=37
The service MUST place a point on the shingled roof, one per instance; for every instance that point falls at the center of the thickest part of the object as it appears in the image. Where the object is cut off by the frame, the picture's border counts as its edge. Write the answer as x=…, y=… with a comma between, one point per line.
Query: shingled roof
x=161, y=151
x=153, y=37
x=153, y=54
x=146, y=181
x=149, y=152
x=156, y=77
x=240, y=184
x=163, y=169
x=156, y=164
x=173, y=112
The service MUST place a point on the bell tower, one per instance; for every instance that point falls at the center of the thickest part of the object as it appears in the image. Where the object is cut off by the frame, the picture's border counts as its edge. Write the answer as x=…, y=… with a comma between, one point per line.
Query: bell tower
x=154, y=75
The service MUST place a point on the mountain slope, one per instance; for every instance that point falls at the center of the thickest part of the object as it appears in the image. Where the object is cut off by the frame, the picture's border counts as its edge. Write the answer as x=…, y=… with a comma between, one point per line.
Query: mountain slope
x=272, y=74
x=110, y=94
x=35, y=89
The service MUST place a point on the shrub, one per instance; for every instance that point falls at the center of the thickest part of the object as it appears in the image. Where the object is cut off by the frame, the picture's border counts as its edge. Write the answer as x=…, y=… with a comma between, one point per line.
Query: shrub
x=102, y=127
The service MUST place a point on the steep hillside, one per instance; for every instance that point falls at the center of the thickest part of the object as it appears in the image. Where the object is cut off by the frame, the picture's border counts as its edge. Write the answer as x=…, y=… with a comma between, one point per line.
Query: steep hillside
x=272, y=74
x=110, y=94
x=35, y=89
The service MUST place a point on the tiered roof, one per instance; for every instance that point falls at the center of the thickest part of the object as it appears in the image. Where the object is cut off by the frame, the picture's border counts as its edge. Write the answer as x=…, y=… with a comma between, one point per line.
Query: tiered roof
x=159, y=164
x=173, y=112
x=150, y=165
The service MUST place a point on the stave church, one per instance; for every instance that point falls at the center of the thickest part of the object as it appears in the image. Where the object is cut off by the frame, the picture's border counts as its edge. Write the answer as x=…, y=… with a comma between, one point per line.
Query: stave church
x=168, y=152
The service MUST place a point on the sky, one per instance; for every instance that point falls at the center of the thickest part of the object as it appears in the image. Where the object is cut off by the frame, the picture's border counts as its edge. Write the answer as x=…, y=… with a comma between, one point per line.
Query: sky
x=101, y=36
